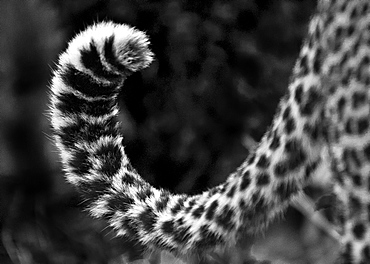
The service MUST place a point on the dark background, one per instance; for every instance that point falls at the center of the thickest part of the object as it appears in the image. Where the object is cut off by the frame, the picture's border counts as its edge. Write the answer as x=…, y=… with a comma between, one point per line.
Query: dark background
x=188, y=120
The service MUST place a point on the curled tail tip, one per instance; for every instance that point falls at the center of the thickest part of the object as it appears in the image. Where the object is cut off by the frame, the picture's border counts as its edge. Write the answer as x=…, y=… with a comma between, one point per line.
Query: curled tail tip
x=131, y=45
x=123, y=47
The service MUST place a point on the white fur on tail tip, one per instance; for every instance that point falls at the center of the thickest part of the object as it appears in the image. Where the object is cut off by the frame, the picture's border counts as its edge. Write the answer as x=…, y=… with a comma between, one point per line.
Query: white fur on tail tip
x=131, y=46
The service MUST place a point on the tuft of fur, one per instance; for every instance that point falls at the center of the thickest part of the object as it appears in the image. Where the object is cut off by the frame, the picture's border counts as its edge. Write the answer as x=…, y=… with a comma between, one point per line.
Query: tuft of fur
x=131, y=46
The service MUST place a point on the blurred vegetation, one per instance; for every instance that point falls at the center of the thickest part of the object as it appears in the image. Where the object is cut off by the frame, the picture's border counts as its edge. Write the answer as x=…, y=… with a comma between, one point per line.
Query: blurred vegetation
x=188, y=120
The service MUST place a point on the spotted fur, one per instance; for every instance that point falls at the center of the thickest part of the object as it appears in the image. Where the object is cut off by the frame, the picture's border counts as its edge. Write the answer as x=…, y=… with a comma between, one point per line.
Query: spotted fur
x=326, y=109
